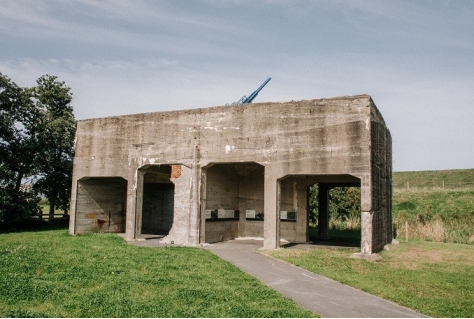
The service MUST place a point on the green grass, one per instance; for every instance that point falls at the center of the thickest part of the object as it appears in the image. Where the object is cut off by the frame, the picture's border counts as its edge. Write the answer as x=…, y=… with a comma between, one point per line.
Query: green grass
x=53, y=274
x=448, y=203
x=450, y=179
x=432, y=278
x=349, y=237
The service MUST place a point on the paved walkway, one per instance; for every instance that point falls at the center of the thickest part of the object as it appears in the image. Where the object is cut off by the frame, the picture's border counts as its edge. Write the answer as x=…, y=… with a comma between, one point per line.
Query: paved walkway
x=319, y=294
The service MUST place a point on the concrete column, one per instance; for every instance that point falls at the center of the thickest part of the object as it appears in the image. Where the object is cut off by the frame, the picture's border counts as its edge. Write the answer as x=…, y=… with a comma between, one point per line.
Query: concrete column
x=366, y=236
x=195, y=207
x=323, y=214
x=366, y=216
x=271, y=223
x=133, y=223
x=202, y=232
x=301, y=190
x=72, y=209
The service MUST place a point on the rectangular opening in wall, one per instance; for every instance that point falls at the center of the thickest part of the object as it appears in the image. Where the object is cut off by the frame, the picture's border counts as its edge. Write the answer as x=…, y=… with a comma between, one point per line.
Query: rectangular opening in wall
x=101, y=204
x=157, y=209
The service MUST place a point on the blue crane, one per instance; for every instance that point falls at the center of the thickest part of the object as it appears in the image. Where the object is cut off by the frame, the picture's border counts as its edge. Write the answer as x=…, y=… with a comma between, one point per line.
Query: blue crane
x=244, y=99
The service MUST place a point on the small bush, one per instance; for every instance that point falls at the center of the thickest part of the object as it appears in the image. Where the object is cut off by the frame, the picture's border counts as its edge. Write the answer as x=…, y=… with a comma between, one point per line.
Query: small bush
x=17, y=206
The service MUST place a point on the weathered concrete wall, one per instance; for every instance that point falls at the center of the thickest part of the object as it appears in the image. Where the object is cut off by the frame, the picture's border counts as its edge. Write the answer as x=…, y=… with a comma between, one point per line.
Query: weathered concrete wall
x=222, y=187
x=251, y=192
x=316, y=137
x=221, y=230
x=381, y=145
x=101, y=205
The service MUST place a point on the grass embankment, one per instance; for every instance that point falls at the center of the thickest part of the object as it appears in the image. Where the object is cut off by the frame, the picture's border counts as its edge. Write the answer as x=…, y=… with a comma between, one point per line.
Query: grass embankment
x=434, y=205
x=52, y=274
x=432, y=278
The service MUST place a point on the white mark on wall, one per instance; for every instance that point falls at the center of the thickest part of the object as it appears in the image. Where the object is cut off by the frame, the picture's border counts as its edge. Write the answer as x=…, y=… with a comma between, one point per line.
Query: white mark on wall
x=229, y=149
x=135, y=180
x=367, y=123
x=267, y=152
x=210, y=127
x=219, y=128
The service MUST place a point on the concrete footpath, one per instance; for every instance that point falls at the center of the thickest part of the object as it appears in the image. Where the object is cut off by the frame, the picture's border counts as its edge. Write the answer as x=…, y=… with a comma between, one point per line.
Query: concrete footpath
x=319, y=294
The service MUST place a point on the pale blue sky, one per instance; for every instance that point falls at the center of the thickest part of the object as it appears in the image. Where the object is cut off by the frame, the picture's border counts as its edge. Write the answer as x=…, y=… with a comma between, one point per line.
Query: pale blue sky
x=415, y=58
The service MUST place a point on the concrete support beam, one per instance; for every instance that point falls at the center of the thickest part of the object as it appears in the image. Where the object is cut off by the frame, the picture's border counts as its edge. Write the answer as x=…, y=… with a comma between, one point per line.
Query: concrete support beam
x=366, y=232
x=134, y=207
x=203, y=190
x=271, y=225
x=72, y=211
x=302, y=225
x=323, y=215
x=194, y=210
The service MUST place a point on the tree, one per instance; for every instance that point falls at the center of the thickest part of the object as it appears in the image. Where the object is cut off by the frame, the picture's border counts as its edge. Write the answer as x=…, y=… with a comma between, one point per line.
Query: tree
x=37, y=129
x=344, y=205
x=56, y=129
x=18, y=148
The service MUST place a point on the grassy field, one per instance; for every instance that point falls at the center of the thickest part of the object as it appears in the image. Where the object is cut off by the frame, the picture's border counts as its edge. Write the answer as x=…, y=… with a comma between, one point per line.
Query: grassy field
x=52, y=274
x=432, y=278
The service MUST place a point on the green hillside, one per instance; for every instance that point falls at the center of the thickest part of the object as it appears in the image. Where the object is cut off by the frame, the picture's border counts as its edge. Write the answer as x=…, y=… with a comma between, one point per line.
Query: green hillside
x=449, y=179
x=434, y=205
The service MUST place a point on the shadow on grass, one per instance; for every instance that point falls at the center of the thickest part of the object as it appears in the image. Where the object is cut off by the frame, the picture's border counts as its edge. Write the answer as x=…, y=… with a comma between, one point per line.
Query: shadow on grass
x=34, y=225
x=337, y=237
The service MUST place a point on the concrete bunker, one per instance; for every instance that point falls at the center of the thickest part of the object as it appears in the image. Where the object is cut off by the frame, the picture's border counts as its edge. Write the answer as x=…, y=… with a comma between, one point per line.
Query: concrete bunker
x=205, y=175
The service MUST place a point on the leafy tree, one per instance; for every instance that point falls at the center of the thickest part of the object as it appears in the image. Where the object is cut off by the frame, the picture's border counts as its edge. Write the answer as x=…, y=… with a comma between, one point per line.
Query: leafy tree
x=56, y=129
x=37, y=129
x=18, y=148
x=344, y=205
x=17, y=140
x=313, y=204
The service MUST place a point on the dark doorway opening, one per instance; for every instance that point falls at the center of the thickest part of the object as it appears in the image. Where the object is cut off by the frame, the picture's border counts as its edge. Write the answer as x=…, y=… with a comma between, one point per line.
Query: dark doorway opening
x=157, y=212
x=157, y=206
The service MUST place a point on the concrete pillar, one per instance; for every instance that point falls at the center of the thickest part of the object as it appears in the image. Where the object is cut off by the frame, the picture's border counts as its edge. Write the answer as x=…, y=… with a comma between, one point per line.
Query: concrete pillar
x=133, y=223
x=323, y=214
x=195, y=207
x=302, y=234
x=366, y=232
x=72, y=209
x=366, y=215
x=271, y=223
x=202, y=231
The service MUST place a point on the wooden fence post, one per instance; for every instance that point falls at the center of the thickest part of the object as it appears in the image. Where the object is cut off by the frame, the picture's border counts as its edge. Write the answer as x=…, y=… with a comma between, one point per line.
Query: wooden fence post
x=406, y=231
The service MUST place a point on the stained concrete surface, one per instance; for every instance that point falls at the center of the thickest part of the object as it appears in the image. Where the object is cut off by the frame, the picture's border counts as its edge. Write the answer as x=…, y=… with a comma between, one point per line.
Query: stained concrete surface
x=319, y=294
